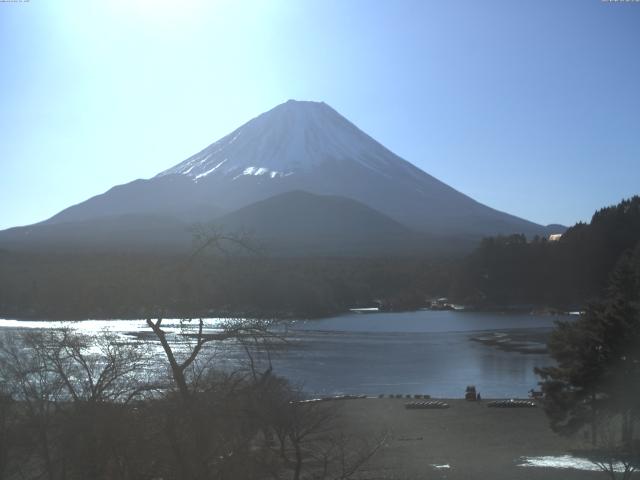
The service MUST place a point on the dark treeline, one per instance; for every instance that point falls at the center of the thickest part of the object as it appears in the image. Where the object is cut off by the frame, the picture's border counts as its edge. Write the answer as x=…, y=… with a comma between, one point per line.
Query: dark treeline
x=594, y=386
x=505, y=271
x=67, y=286
x=512, y=271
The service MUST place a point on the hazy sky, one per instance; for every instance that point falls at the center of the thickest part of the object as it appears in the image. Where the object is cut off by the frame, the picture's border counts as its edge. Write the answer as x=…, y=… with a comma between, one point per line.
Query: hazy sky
x=532, y=107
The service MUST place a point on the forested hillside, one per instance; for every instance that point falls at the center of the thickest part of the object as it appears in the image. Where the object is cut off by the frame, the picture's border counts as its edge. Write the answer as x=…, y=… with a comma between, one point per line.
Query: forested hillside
x=503, y=272
x=69, y=286
x=511, y=271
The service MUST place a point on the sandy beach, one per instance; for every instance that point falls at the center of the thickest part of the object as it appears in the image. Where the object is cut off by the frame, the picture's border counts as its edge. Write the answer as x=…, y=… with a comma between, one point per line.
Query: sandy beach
x=466, y=441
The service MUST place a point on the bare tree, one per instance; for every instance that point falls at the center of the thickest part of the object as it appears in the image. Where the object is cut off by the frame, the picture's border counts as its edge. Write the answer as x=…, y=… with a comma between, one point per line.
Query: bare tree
x=617, y=457
x=101, y=368
x=7, y=430
x=310, y=442
x=73, y=394
x=232, y=330
x=37, y=388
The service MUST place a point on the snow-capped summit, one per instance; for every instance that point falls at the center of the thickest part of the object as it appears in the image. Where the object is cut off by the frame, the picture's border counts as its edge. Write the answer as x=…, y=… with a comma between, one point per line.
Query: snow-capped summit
x=294, y=137
x=301, y=146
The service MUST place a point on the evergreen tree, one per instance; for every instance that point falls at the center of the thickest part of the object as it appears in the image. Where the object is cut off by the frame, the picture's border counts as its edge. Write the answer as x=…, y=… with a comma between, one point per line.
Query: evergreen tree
x=598, y=360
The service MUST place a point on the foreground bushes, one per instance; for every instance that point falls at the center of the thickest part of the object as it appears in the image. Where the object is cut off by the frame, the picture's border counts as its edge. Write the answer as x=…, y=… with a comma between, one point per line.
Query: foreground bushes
x=79, y=408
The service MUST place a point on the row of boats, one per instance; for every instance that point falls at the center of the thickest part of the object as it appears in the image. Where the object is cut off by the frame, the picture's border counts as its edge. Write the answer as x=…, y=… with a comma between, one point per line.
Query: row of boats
x=425, y=405
x=399, y=395
x=511, y=403
x=332, y=398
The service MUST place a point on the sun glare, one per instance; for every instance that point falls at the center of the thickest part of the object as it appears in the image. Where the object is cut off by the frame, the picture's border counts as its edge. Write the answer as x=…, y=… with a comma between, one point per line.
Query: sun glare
x=159, y=10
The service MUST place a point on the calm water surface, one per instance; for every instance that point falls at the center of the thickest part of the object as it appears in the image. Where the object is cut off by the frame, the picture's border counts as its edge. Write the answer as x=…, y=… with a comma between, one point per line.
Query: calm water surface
x=412, y=352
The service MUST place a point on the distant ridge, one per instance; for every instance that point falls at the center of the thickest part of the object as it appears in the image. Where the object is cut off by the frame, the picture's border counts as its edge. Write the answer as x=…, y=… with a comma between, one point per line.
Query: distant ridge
x=299, y=223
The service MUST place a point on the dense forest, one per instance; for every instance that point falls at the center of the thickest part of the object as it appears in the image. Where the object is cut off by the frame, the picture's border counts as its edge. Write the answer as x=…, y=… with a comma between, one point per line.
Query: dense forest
x=67, y=286
x=513, y=271
x=503, y=272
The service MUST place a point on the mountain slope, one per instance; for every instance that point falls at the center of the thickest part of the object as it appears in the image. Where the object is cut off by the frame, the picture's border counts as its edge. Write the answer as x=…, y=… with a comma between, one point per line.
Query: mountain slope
x=298, y=222
x=309, y=146
x=123, y=233
x=293, y=223
x=299, y=146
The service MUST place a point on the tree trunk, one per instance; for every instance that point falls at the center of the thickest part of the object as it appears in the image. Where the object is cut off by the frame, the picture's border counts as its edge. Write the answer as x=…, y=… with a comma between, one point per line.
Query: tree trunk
x=627, y=428
x=594, y=433
x=176, y=371
x=296, y=475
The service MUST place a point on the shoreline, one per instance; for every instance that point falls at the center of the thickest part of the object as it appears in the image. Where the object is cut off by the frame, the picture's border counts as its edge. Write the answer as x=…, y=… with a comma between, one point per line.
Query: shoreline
x=530, y=310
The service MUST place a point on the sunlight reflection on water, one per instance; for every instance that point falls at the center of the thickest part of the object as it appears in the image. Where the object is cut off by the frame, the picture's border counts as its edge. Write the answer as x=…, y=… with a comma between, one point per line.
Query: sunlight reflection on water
x=424, y=352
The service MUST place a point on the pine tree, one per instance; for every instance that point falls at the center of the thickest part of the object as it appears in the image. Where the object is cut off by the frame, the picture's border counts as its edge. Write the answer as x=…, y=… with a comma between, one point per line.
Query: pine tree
x=598, y=360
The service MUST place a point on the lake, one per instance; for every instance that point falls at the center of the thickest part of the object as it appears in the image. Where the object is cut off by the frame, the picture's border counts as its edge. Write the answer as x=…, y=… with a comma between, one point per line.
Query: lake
x=423, y=352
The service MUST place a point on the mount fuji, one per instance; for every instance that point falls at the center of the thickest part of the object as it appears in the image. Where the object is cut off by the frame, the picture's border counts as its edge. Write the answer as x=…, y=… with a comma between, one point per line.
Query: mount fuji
x=299, y=152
